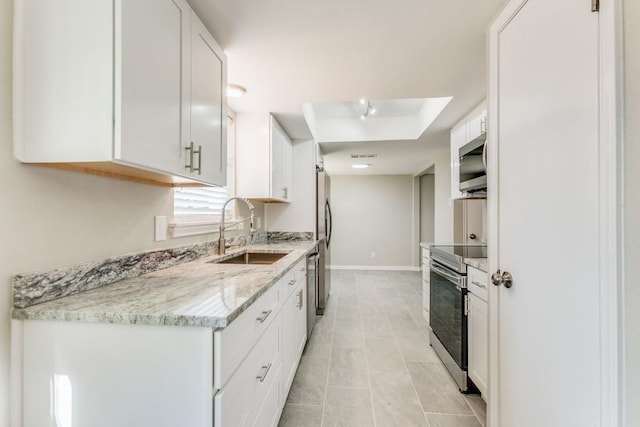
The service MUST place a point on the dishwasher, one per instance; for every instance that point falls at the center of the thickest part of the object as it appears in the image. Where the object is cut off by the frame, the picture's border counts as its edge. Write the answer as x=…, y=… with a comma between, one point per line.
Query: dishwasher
x=312, y=290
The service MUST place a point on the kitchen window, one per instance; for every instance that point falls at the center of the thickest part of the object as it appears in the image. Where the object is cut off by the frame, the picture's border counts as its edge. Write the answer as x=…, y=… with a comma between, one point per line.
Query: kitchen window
x=198, y=210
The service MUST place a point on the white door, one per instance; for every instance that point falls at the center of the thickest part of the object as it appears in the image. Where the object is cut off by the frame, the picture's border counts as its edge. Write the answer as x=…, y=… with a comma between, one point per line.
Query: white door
x=208, y=116
x=544, y=215
x=153, y=47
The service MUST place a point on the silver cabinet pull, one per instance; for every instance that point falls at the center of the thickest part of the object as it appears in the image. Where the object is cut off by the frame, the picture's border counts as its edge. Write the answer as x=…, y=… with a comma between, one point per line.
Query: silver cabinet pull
x=478, y=284
x=264, y=373
x=285, y=192
x=264, y=316
x=292, y=282
x=190, y=150
x=299, y=305
x=199, y=153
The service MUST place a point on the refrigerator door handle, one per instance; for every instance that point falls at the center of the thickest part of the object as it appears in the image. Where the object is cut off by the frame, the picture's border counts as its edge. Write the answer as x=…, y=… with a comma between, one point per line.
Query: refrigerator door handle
x=328, y=227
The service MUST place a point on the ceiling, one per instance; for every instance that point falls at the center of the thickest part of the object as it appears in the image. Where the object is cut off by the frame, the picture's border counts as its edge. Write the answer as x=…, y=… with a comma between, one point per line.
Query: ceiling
x=291, y=52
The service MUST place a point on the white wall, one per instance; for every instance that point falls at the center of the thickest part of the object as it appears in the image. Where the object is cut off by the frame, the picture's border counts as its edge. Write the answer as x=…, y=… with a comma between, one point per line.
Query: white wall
x=50, y=218
x=298, y=215
x=443, y=232
x=373, y=213
x=632, y=212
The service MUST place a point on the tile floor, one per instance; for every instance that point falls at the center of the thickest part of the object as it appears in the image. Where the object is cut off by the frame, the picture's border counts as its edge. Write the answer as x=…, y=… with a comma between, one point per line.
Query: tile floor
x=368, y=362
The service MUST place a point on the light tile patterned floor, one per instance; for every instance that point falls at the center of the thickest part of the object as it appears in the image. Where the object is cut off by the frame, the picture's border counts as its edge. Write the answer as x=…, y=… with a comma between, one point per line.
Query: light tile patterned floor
x=368, y=362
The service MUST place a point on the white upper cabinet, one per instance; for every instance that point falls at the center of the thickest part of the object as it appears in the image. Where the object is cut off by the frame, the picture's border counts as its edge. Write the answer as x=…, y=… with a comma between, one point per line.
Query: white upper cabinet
x=458, y=139
x=120, y=88
x=208, y=112
x=264, y=158
x=476, y=122
x=466, y=130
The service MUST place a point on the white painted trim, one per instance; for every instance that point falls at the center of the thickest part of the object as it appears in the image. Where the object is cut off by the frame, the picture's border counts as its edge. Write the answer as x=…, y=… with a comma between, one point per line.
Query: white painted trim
x=610, y=196
x=15, y=404
x=375, y=267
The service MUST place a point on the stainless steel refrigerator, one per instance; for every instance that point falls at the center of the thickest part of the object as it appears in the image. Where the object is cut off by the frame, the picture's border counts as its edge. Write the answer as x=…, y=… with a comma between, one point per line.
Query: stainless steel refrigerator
x=323, y=235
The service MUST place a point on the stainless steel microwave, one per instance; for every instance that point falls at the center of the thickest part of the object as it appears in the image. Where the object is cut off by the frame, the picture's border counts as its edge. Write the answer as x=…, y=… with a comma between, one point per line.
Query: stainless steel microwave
x=473, y=166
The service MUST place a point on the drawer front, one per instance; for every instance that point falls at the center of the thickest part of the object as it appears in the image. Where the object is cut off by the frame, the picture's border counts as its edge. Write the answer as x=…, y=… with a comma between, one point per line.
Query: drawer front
x=292, y=277
x=232, y=344
x=269, y=413
x=478, y=283
x=240, y=401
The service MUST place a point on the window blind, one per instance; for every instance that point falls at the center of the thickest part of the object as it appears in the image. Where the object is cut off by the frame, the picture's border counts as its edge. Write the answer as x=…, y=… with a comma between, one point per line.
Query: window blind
x=201, y=200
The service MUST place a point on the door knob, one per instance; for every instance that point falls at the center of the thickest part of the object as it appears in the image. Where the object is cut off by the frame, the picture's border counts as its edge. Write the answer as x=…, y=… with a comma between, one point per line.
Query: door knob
x=505, y=279
x=472, y=236
x=496, y=278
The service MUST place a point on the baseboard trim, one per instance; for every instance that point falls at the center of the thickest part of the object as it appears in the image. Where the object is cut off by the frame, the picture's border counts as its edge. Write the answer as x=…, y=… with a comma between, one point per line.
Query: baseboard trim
x=375, y=267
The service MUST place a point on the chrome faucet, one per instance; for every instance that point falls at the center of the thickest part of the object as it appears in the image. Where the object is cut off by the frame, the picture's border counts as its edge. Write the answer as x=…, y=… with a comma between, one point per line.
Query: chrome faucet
x=221, y=241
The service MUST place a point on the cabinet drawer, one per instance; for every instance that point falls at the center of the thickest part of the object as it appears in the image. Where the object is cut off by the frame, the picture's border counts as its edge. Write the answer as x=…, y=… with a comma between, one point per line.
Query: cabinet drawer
x=240, y=401
x=269, y=413
x=292, y=277
x=234, y=342
x=477, y=283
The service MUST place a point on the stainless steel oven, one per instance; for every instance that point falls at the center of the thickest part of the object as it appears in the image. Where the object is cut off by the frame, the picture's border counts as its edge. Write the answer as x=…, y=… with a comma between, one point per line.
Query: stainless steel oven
x=448, y=307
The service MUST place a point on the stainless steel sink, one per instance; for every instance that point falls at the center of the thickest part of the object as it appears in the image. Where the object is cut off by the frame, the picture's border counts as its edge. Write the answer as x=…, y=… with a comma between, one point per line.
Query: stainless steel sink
x=260, y=258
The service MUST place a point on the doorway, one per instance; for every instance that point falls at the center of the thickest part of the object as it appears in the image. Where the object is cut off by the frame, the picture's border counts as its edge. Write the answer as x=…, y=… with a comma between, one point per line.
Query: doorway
x=427, y=206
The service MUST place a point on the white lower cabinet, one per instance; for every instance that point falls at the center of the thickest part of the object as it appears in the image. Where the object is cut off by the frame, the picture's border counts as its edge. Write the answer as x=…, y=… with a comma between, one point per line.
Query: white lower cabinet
x=294, y=317
x=257, y=356
x=240, y=401
x=478, y=330
x=104, y=375
x=95, y=374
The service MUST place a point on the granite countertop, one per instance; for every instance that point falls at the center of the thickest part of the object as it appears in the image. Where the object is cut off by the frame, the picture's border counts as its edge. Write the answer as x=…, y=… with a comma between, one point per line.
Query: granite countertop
x=479, y=263
x=195, y=293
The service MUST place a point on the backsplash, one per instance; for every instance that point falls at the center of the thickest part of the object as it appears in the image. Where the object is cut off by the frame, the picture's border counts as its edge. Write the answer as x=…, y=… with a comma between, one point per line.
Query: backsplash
x=34, y=288
x=289, y=236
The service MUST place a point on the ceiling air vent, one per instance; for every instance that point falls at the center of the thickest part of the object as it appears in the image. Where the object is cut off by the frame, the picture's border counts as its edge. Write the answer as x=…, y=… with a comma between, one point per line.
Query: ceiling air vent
x=363, y=156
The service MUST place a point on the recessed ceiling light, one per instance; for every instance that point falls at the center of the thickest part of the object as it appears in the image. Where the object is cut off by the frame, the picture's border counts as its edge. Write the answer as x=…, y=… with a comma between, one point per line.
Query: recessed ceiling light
x=235, y=91
x=360, y=165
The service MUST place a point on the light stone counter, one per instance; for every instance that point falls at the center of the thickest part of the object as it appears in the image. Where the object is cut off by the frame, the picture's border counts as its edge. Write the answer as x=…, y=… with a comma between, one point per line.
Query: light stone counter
x=479, y=263
x=195, y=293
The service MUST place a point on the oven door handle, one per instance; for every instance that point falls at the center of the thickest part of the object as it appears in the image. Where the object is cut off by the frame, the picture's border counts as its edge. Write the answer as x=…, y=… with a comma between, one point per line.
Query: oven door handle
x=458, y=280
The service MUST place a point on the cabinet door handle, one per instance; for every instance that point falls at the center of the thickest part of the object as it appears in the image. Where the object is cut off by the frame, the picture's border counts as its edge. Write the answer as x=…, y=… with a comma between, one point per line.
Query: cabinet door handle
x=264, y=316
x=478, y=284
x=190, y=150
x=265, y=371
x=292, y=282
x=285, y=192
x=300, y=299
x=199, y=153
